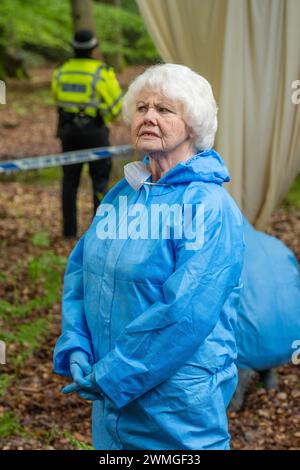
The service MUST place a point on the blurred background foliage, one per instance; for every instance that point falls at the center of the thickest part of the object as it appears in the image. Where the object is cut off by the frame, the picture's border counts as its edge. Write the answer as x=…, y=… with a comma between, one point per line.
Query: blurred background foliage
x=33, y=32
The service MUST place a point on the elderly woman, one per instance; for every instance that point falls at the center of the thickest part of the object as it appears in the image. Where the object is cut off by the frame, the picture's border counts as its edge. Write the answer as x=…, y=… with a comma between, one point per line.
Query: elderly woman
x=149, y=302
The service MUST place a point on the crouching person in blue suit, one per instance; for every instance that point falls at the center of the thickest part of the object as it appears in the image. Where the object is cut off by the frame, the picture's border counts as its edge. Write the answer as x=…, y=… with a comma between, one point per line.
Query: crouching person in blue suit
x=150, y=290
x=268, y=322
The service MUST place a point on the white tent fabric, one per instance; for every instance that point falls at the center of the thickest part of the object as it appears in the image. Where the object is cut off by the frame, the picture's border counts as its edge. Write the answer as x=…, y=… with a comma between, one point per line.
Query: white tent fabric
x=249, y=50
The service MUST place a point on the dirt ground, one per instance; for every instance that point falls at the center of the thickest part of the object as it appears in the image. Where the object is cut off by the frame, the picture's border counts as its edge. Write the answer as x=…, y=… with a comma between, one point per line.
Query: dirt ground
x=33, y=412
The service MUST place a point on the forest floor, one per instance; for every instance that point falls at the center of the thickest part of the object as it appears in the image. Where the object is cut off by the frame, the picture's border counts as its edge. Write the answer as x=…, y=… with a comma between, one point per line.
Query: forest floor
x=33, y=412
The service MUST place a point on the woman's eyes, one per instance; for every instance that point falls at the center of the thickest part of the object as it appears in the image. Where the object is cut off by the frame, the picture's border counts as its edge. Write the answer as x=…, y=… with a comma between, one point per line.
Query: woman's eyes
x=160, y=109
x=142, y=108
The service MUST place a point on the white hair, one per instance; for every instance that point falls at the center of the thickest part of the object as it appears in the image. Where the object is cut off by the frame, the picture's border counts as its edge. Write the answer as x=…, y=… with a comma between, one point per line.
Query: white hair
x=180, y=83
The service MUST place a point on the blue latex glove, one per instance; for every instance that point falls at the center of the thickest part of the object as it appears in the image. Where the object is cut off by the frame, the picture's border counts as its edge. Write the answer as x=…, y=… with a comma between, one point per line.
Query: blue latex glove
x=79, y=365
x=88, y=396
x=81, y=368
x=85, y=387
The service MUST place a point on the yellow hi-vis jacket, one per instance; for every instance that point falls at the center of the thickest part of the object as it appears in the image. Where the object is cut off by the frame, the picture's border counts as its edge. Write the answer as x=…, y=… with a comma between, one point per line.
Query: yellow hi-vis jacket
x=87, y=86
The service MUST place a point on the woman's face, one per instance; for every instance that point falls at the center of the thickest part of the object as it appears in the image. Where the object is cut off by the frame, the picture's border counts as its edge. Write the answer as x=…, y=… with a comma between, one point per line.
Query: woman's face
x=158, y=124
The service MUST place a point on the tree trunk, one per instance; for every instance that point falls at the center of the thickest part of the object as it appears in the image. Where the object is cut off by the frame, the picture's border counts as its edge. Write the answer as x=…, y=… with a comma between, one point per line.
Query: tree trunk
x=116, y=59
x=83, y=18
x=82, y=14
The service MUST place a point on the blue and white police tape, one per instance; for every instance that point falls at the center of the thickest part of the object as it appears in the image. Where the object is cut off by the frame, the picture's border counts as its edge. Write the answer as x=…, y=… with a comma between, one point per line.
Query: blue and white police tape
x=67, y=158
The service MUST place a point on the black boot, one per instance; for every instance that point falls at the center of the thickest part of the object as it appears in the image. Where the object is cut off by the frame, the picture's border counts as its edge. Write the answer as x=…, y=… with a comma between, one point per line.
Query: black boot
x=245, y=377
x=268, y=378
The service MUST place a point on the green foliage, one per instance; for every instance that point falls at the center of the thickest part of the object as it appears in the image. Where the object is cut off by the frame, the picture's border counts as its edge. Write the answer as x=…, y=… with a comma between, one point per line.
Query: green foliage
x=28, y=336
x=5, y=381
x=34, y=177
x=41, y=239
x=76, y=443
x=45, y=270
x=45, y=28
x=23, y=333
x=114, y=23
x=9, y=425
x=130, y=5
x=42, y=96
x=41, y=25
x=20, y=110
x=292, y=198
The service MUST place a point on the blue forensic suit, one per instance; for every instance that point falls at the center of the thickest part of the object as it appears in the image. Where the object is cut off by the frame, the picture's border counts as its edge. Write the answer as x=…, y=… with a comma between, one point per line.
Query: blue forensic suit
x=157, y=313
x=269, y=313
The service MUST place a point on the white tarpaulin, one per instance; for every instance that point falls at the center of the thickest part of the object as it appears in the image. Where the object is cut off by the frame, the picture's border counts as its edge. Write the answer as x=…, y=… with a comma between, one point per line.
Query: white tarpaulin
x=250, y=52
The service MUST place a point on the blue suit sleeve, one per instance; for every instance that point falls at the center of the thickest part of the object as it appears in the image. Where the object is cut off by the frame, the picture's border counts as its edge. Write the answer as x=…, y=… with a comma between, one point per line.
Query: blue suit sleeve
x=75, y=333
x=160, y=340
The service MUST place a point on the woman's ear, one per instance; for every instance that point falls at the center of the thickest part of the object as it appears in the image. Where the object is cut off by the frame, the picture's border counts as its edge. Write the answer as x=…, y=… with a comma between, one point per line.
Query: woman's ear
x=192, y=134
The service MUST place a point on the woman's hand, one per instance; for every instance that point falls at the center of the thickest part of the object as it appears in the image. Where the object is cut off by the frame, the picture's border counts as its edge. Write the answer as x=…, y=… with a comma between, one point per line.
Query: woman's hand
x=84, y=382
x=79, y=365
x=86, y=388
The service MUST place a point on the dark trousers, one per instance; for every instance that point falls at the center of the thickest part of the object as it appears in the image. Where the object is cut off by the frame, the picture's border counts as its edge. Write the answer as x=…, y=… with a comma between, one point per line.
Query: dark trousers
x=74, y=138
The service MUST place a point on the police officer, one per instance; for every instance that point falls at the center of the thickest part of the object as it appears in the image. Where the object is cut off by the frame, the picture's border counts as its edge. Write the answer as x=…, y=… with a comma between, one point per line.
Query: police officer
x=88, y=97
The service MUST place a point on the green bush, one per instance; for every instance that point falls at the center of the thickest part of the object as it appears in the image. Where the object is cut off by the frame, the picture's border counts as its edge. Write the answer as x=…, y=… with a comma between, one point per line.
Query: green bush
x=41, y=27
x=123, y=31
x=292, y=198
